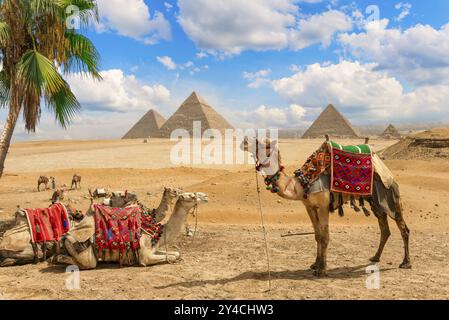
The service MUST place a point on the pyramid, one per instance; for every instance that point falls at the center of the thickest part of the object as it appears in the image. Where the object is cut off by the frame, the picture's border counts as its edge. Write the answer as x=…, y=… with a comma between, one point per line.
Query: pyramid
x=391, y=133
x=331, y=122
x=194, y=108
x=147, y=126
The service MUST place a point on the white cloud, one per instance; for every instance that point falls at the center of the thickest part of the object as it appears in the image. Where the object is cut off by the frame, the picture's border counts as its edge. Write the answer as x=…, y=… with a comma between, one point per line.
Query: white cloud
x=201, y=55
x=417, y=54
x=361, y=90
x=258, y=78
x=132, y=18
x=117, y=92
x=168, y=6
x=269, y=117
x=228, y=27
x=405, y=8
x=319, y=28
x=167, y=62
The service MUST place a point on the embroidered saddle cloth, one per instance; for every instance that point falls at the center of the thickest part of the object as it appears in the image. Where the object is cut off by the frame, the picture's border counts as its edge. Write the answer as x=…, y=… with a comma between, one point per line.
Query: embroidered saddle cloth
x=350, y=167
x=121, y=228
x=48, y=224
x=117, y=228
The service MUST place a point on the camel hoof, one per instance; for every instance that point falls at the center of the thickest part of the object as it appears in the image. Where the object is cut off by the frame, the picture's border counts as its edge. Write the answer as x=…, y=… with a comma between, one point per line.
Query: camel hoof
x=405, y=265
x=320, y=273
x=374, y=259
x=313, y=266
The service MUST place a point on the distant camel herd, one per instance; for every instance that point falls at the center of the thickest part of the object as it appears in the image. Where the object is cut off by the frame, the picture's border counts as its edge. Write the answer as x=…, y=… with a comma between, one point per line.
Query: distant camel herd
x=76, y=182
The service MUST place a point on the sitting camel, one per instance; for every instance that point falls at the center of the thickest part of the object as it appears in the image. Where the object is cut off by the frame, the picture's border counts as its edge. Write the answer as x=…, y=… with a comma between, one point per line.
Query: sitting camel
x=318, y=204
x=82, y=252
x=16, y=248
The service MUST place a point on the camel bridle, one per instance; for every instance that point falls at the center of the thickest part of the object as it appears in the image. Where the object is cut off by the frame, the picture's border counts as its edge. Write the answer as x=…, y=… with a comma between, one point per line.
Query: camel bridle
x=271, y=181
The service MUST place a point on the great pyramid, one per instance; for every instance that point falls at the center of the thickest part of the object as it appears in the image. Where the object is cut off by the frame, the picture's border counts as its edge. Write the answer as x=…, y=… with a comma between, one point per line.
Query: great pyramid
x=331, y=122
x=194, y=108
x=391, y=133
x=148, y=126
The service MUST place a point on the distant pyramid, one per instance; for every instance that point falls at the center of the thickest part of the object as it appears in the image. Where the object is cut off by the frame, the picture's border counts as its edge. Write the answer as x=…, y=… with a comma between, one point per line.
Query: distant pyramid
x=148, y=126
x=193, y=109
x=391, y=133
x=333, y=123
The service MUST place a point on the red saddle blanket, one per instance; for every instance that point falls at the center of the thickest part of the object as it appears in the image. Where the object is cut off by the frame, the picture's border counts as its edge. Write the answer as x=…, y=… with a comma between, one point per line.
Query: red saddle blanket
x=118, y=228
x=351, y=173
x=351, y=168
x=48, y=224
x=121, y=228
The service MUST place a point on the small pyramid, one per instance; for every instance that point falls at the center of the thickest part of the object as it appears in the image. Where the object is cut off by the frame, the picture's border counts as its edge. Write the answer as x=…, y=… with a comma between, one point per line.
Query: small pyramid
x=331, y=122
x=391, y=133
x=148, y=126
x=194, y=108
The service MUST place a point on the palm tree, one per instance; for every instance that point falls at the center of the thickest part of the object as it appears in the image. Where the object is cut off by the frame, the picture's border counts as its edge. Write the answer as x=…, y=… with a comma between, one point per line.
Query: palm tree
x=37, y=47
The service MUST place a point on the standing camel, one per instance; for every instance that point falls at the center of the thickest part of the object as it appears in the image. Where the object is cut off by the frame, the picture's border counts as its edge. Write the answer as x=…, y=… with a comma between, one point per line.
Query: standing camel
x=150, y=253
x=318, y=204
x=76, y=181
x=42, y=180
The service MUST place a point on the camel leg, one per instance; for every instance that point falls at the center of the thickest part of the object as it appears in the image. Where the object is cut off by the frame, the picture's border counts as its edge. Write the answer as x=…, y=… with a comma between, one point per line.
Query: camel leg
x=323, y=222
x=384, y=235
x=169, y=253
x=8, y=262
x=153, y=259
x=62, y=259
x=405, y=233
x=314, y=219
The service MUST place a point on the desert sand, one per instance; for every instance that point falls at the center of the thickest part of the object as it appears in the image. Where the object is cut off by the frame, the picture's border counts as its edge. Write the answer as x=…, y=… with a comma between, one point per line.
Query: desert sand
x=226, y=259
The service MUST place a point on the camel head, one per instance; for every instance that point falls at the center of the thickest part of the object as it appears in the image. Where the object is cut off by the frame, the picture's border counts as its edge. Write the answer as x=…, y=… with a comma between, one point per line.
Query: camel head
x=171, y=193
x=265, y=153
x=189, y=200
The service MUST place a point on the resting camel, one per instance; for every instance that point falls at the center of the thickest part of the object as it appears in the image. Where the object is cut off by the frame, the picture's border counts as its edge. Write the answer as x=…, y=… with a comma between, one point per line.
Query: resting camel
x=15, y=246
x=318, y=204
x=149, y=253
x=76, y=181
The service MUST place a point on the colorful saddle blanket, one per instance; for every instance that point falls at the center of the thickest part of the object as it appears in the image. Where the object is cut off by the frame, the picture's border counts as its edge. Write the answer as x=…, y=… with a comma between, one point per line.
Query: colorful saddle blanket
x=351, y=167
x=121, y=228
x=48, y=224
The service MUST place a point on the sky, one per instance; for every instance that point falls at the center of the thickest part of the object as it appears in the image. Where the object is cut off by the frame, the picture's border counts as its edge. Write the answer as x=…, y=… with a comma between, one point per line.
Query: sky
x=262, y=63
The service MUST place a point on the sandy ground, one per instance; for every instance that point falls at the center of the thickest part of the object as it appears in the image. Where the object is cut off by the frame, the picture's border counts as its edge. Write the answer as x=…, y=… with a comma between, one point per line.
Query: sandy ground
x=227, y=258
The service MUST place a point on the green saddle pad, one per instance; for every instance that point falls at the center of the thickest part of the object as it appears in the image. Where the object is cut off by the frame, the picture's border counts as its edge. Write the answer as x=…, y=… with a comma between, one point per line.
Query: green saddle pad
x=361, y=148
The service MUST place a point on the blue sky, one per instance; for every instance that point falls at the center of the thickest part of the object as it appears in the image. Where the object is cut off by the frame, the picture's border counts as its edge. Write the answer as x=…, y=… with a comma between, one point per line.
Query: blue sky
x=270, y=63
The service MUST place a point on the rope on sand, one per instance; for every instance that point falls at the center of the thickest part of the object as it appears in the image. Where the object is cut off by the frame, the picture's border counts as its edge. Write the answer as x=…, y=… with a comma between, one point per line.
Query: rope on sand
x=264, y=233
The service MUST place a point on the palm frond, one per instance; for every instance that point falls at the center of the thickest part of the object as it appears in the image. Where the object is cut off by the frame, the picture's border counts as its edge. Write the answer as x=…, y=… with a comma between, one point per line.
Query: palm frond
x=4, y=89
x=64, y=105
x=82, y=55
x=37, y=72
x=4, y=34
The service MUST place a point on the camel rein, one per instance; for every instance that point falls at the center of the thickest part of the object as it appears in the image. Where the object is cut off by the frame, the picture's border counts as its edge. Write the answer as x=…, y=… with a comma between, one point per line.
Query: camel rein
x=263, y=224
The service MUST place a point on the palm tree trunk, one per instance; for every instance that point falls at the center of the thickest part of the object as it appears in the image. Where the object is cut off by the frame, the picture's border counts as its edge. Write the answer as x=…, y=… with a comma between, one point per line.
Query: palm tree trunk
x=8, y=130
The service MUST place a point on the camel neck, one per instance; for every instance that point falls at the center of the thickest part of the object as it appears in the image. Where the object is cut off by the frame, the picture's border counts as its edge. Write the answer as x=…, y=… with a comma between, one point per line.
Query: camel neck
x=161, y=211
x=289, y=187
x=174, y=225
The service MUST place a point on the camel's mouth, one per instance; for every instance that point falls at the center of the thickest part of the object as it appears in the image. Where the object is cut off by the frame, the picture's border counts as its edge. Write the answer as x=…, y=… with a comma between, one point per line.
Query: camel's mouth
x=202, y=197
